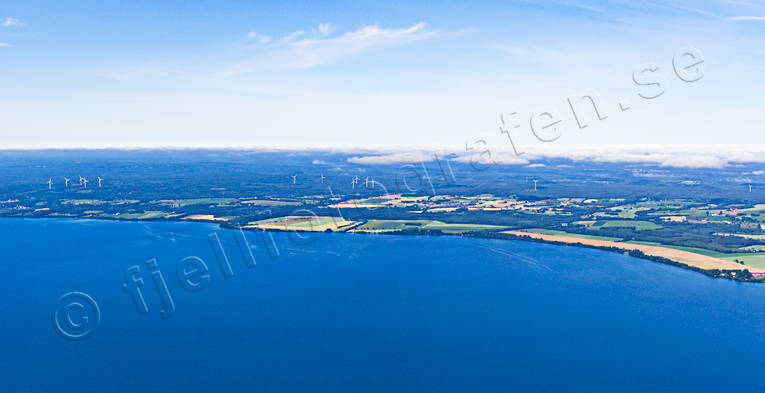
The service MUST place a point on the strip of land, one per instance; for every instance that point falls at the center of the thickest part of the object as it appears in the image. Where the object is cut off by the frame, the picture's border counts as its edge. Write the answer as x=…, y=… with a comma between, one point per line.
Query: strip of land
x=704, y=262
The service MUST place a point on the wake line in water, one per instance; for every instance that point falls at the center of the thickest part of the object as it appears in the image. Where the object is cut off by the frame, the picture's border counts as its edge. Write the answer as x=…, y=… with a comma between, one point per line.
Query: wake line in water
x=520, y=258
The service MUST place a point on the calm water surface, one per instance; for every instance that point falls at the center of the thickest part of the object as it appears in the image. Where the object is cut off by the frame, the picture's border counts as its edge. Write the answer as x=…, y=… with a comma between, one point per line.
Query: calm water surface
x=371, y=313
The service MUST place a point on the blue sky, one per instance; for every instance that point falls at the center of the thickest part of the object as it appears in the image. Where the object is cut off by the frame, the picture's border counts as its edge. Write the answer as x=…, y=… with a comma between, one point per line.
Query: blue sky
x=230, y=73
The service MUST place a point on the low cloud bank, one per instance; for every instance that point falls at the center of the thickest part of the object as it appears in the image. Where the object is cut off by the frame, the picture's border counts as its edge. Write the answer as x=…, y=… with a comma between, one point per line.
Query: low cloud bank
x=701, y=156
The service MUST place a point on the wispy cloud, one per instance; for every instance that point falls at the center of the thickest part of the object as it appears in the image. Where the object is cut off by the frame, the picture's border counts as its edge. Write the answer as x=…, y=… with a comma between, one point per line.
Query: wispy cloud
x=257, y=37
x=3, y=44
x=747, y=18
x=9, y=22
x=295, y=51
x=293, y=36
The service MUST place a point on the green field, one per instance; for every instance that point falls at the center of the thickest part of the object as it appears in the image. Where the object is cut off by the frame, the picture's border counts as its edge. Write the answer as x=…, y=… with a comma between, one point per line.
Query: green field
x=756, y=209
x=636, y=225
x=701, y=251
x=304, y=223
x=460, y=228
x=746, y=236
x=567, y=234
x=391, y=225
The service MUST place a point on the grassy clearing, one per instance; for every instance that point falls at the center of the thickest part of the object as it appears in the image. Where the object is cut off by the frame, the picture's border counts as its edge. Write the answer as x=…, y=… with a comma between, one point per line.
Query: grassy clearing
x=746, y=236
x=561, y=233
x=636, y=225
x=757, y=247
x=756, y=209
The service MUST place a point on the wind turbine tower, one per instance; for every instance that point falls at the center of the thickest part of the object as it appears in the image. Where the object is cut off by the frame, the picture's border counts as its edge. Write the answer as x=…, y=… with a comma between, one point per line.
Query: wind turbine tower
x=50, y=184
x=99, y=181
x=66, y=182
x=84, y=183
x=322, y=178
x=535, y=184
x=294, y=179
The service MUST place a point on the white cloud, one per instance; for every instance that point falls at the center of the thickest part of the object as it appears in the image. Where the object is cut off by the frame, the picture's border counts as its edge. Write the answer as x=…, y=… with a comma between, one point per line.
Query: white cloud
x=324, y=28
x=3, y=44
x=395, y=158
x=295, y=53
x=259, y=38
x=293, y=36
x=671, y=156
x=747, y=18
x=9, y=22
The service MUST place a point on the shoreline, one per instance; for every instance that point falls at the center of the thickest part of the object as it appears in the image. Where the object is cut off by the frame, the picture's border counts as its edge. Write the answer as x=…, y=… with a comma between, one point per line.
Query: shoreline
x=742, y=274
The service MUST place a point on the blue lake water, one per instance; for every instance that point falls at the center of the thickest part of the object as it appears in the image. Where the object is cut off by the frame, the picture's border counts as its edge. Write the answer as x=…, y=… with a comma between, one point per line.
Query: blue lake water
x=365, y=313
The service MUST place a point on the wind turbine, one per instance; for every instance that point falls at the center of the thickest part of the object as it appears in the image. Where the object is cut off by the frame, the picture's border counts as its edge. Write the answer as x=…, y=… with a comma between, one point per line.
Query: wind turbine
x=99, y=181
x=294, y=179
x=66, y=182
x=535, y=184
x=354, y=181
x=750, y=188
x=366, y=182
x=84, y=183
x=322, y=178
x=81, y=179
x=50, y=184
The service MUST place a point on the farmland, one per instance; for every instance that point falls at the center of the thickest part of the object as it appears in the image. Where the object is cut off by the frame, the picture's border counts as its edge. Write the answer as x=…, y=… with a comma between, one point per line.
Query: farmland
x=706, y=212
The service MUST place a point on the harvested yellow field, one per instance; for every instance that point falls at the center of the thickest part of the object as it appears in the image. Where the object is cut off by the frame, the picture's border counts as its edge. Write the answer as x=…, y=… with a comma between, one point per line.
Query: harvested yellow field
x=688, y=258
x=204, y=217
